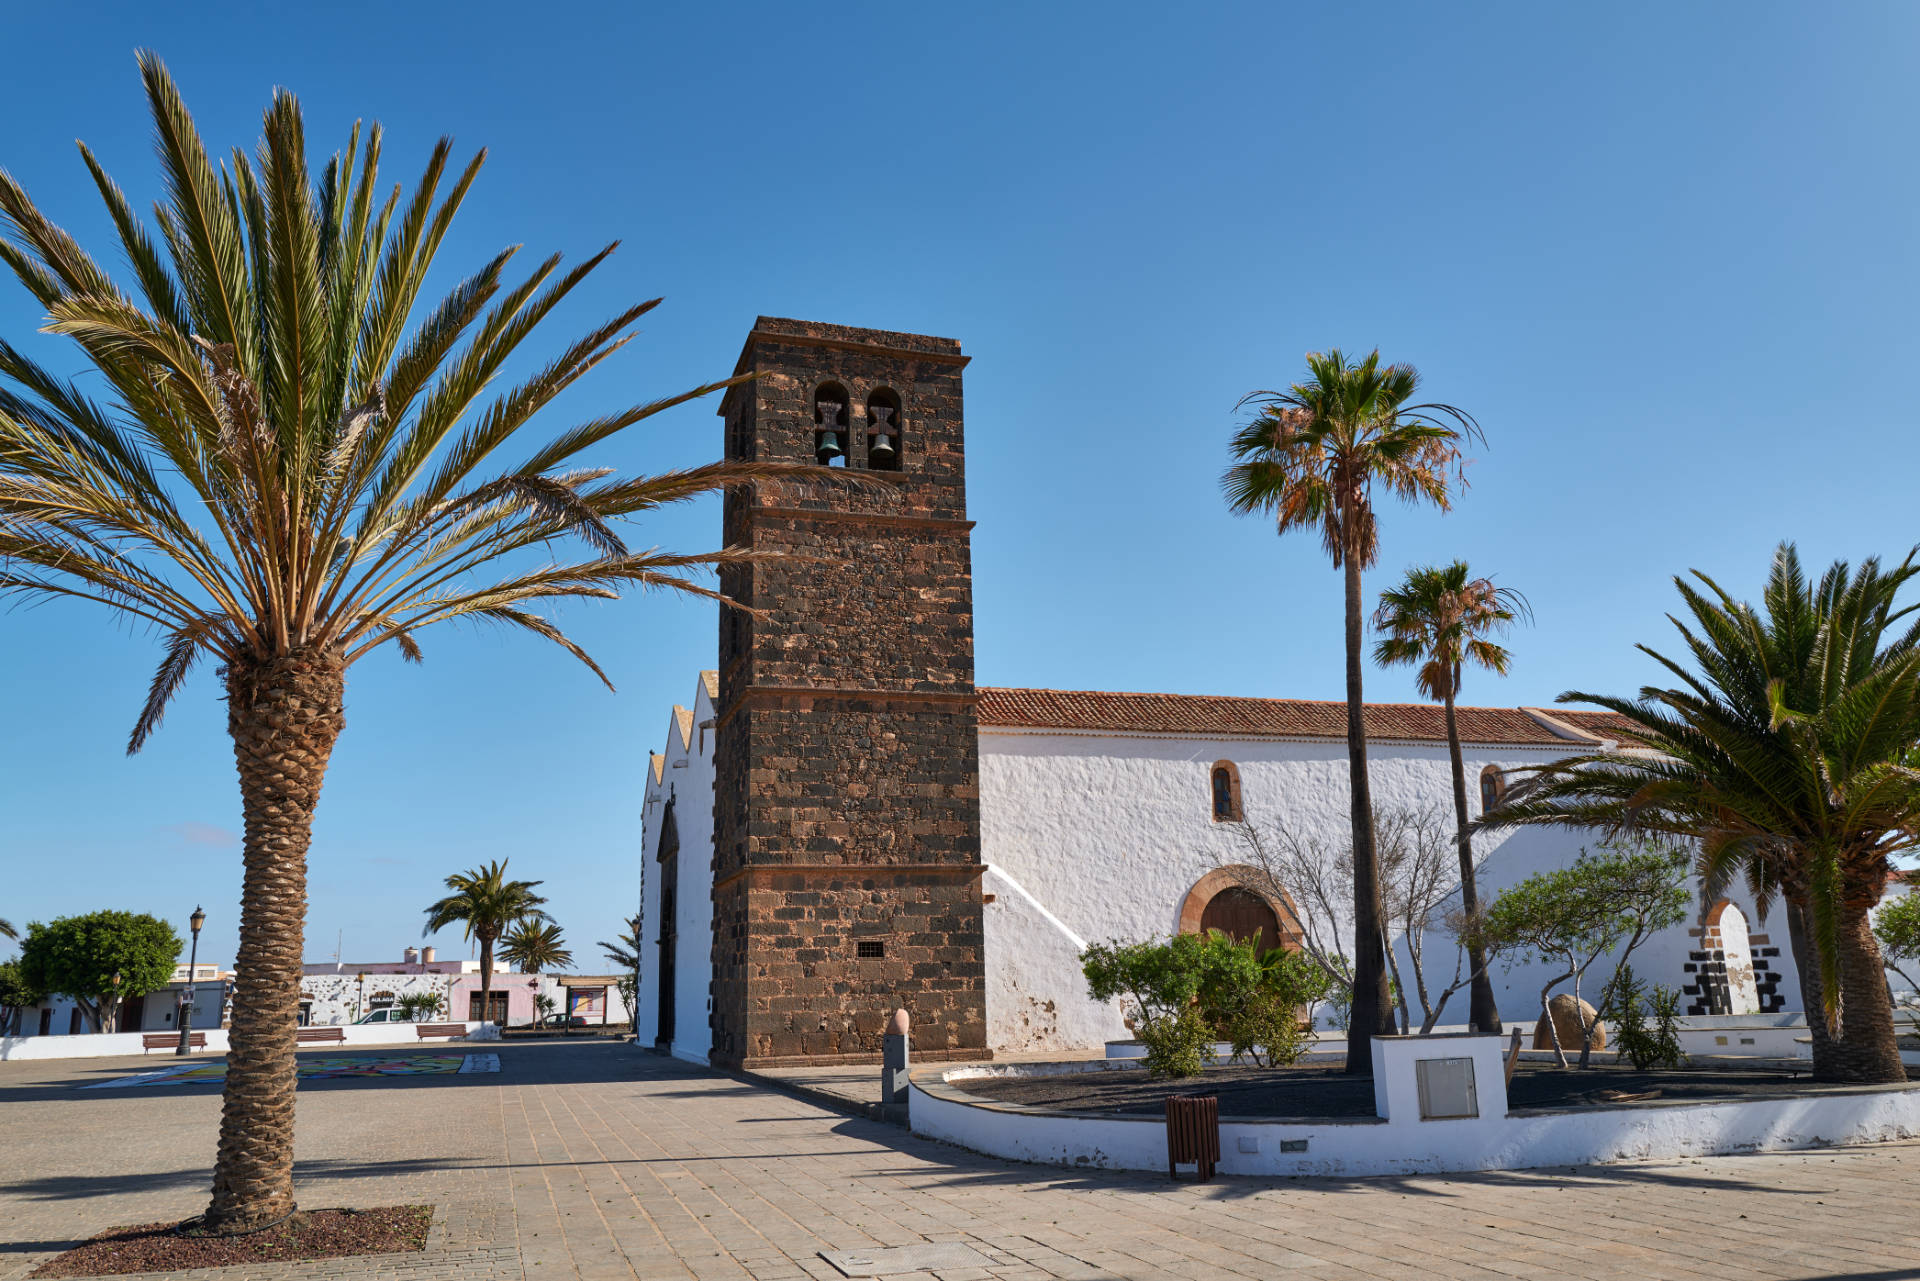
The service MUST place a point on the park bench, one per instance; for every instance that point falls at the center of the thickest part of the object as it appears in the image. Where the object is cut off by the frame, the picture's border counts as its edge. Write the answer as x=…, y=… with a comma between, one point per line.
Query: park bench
x=448, y=1030
x=321, y=1035
x=171, y=1040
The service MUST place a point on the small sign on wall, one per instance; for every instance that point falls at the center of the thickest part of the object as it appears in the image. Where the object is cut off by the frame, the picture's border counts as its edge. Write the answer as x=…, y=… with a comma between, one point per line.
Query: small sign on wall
x=1446, y=1089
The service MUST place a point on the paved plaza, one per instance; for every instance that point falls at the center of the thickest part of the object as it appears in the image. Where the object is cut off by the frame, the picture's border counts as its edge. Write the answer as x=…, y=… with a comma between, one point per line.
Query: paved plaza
x=591, y=1159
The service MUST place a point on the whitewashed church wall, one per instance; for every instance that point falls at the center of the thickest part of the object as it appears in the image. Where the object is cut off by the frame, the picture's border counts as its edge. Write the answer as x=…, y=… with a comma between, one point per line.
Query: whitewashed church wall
x=1109, y=832
x=1036, y=999
x=693, y=965
x=687, y=778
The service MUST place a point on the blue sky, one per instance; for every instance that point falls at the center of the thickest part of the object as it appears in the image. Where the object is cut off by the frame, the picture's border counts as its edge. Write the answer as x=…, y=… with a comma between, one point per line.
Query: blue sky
x=1664, y=253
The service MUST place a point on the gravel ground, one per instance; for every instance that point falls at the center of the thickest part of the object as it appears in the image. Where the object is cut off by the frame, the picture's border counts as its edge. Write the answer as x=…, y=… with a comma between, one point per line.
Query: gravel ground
x=1318, y=1091
x=320, y=1234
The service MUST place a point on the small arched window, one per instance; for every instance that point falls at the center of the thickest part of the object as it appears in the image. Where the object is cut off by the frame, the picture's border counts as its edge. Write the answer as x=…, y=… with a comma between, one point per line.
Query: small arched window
x=830, y=425
x=1493, y=786
x=1226, y=792
x=883, y=430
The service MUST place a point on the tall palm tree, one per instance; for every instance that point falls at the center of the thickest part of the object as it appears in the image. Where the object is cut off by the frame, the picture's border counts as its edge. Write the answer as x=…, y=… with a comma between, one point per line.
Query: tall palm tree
x=486, y=904
x=1310, y=458
x=6, y=929
x=1782, y=753
x=1440, y=617
x=533, y=947
x=290, y=461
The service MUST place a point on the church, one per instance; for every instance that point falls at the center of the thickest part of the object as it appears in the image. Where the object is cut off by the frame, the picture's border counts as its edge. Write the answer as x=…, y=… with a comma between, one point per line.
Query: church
x=842, y=823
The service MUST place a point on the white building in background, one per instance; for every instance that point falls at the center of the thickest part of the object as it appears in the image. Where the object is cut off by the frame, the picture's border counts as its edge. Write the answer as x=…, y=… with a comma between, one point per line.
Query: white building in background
x=1110, y=816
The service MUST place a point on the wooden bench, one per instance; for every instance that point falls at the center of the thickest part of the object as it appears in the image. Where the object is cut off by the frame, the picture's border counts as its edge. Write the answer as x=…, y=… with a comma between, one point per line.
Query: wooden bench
x=447, y=1030
x=171, y=1040
x=321, y=1035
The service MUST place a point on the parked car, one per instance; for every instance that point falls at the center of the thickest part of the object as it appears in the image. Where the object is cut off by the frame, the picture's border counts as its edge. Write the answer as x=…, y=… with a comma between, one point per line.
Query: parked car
x=390, y=1014
x=563, y=1020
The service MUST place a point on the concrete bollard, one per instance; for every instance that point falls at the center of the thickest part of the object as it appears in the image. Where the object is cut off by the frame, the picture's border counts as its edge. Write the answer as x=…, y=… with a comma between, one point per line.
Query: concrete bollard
x=893, y=1072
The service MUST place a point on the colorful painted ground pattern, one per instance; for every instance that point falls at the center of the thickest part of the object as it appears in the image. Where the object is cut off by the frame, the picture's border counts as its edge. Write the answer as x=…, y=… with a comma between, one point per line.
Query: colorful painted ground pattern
x=319, y=1069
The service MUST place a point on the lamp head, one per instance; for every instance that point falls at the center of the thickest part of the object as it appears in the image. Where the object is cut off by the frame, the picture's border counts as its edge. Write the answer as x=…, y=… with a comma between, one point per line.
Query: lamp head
x=198, y=919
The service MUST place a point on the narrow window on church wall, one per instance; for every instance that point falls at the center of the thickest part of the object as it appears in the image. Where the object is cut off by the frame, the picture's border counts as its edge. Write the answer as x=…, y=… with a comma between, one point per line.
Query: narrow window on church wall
x=1226, y=792
x=1492, y=787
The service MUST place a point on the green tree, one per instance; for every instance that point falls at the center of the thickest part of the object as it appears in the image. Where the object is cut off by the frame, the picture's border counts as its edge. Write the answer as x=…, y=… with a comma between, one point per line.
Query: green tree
x=535, y=947
x=487, y=905
x=624, y=950
x=99, y=960
x=16, y=996
x=1781, y=751
x=295, y=456
x=1310, y=458
x=1605, y=905
x=1441, y=618
x=1897, y=927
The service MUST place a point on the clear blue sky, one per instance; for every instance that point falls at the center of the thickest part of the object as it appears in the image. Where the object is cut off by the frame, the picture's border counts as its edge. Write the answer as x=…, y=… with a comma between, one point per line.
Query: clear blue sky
x=1666, y=254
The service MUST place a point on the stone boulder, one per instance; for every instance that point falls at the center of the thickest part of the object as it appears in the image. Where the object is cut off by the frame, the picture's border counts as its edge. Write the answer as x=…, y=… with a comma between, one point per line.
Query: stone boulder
x=1567, y=1023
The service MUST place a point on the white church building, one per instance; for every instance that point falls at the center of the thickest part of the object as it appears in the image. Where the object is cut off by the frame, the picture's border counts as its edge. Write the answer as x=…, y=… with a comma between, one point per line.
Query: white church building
x=1109, y=816
x=867, y=827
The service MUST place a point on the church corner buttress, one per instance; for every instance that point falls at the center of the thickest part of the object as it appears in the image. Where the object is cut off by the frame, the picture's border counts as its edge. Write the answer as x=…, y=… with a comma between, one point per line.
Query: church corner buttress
x=846, y=875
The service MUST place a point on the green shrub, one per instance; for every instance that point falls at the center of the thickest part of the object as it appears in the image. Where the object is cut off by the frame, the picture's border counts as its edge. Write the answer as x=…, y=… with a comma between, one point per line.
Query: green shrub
x=1643, y=1044
x=1191, y=990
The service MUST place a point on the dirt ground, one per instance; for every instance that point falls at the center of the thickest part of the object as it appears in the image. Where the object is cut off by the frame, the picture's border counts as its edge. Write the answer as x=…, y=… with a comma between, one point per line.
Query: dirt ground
x=1319, y=1091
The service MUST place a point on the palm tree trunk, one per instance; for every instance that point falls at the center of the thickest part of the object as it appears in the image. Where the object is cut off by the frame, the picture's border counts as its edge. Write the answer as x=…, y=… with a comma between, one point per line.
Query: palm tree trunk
x=486, y=978
x=1372, y=1011
x=1867, y=1051
x=284, y=716
x=1483, y=1014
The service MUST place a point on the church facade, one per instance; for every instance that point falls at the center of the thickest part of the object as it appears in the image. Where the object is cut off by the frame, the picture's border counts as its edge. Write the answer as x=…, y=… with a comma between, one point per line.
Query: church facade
x=842, y=824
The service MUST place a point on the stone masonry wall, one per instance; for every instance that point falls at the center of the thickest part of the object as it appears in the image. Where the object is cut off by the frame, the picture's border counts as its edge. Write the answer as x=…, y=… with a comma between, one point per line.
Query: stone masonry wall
x=847, y=827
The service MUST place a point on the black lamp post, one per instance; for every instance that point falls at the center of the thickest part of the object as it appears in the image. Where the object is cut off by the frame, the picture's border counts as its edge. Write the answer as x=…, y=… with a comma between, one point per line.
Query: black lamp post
x=198, y=919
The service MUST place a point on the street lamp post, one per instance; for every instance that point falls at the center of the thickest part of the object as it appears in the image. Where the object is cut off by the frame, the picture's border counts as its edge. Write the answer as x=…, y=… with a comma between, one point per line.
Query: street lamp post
x=198, y=919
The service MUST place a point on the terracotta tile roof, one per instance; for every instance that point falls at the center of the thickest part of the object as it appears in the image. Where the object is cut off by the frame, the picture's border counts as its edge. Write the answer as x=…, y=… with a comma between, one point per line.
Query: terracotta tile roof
x=1285, y=717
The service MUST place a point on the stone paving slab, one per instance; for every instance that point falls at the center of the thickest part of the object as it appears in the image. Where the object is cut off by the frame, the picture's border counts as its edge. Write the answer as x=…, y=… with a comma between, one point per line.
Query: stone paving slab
x=602, y=1161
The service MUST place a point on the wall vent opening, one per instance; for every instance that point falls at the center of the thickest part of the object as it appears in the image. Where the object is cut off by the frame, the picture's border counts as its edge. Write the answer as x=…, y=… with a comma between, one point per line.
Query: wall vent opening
x=870, y=949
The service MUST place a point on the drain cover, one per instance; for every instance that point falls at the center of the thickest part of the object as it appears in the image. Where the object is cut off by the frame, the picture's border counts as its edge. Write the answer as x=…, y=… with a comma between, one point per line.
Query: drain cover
x=928, y=1256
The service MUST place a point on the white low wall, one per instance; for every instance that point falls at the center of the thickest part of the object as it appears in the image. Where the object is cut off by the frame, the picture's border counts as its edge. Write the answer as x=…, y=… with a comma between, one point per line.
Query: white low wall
x=97, y=1045
x=1379, y=1146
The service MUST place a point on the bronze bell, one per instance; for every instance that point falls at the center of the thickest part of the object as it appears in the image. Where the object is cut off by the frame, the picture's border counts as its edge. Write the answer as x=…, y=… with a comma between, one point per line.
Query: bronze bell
x=829, y=447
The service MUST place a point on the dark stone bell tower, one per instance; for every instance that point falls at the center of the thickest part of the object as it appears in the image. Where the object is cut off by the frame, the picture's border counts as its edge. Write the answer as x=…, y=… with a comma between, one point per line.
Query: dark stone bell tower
x=846, y=877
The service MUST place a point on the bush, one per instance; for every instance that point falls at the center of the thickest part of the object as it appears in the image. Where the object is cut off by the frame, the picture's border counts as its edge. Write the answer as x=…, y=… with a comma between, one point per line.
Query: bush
x=1655, y=1045
x=1192, y=990
x=1255, y=1002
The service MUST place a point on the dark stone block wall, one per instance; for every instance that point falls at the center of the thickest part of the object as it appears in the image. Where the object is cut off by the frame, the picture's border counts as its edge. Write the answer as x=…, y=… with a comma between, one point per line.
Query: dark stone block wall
x=847, y=815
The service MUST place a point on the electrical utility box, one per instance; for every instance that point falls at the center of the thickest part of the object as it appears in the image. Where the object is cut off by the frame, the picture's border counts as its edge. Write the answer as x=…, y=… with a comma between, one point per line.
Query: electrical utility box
x=1446, y=1089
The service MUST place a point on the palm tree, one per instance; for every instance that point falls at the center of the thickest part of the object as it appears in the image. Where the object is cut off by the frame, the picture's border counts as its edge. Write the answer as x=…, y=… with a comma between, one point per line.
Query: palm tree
x=1781, y=752
x=534, y=947
x=624, y=950
x=1310, y=458
x=487, y=905
x=1441, y=618
x=294, y=462
x=6, y=929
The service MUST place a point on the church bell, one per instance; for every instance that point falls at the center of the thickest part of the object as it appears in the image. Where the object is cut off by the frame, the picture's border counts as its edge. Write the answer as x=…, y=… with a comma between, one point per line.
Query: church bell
x=829, y=447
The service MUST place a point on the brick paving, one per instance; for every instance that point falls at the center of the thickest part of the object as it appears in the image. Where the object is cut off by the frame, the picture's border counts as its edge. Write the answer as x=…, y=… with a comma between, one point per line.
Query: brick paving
x=593, y=1160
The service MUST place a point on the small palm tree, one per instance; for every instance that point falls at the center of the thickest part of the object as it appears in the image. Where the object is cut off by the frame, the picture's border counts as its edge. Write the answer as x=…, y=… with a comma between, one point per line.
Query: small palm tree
x=487, y=905
x=534, y=947
x=624, y=950
x=1440, y=617
x=1310, y=458
x=294, y=460
x=1782, y=752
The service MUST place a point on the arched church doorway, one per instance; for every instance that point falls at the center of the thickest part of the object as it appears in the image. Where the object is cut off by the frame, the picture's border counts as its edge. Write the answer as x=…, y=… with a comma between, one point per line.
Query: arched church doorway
x=1244, y=915
x=1228, y=898
x=1730, y=948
